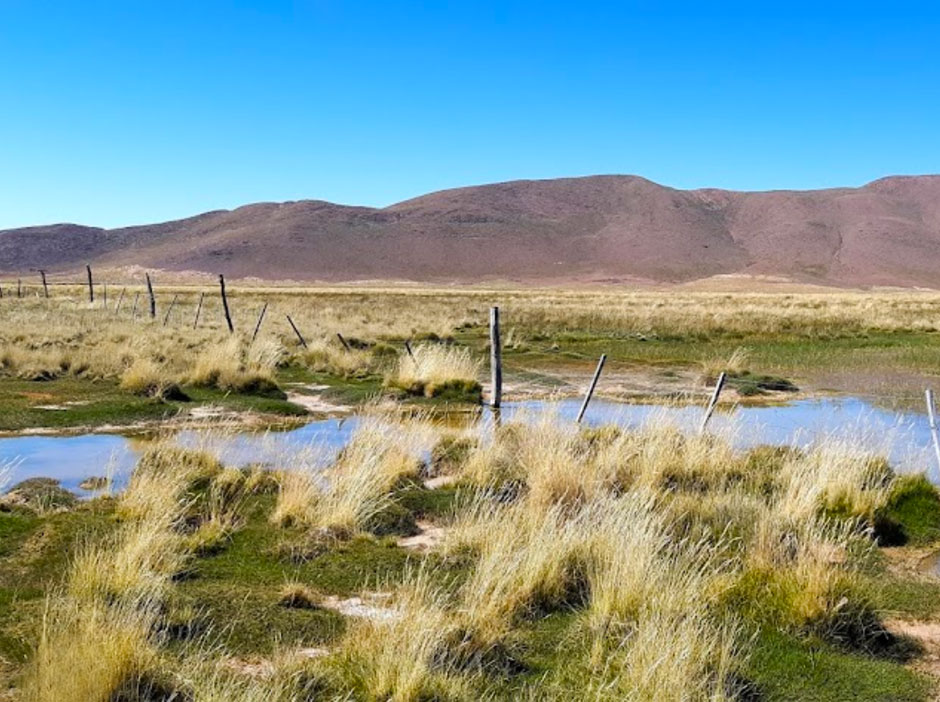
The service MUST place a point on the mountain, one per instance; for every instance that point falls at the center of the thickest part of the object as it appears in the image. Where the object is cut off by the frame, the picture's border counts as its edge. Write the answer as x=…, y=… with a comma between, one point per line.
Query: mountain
x=598, y=228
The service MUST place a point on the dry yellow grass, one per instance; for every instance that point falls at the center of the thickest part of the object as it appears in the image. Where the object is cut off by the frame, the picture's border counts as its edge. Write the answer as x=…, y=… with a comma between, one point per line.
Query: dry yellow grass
x=64, y=336
x=656, y=541
x=432, y=368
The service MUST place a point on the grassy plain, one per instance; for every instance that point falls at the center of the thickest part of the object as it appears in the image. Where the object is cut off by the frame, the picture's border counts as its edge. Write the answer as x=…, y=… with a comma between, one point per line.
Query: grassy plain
x=67, y=362
x=533, y=560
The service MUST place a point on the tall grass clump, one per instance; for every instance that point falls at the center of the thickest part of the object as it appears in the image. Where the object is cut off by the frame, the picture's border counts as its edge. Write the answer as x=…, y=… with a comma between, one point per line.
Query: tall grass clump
x=343, y=498
x=146, y=377
x=236, y=367
x=403, y=656
x=100, y=630
x=436, y=370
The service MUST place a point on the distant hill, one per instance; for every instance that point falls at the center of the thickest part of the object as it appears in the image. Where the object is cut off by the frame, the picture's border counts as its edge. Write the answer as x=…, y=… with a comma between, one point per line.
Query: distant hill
x=599, y=228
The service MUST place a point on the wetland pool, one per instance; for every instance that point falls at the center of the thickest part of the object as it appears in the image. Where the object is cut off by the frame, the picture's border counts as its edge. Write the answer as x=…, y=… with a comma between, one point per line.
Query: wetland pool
x=904, y=437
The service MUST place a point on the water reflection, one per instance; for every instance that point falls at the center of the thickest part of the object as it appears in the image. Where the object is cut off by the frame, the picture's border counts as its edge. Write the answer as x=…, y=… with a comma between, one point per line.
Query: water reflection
x=903, y=436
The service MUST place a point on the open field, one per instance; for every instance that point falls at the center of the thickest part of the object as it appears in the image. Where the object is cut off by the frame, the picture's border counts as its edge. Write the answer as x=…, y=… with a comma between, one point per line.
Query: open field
x=531, y=559
x=125, y=367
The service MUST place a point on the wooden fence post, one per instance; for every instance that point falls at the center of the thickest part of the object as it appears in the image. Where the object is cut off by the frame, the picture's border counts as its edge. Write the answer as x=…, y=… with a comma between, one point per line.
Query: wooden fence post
x=19, y=288
x=136, y=300
x=590, y=392
x=712, y=402
x=91, y=286
x=296, y=331
x=933, y=424
x=198, y=310
x=258, y=324
x=496, y=360
x=228, y=315
x=45, y=288
x=104, y=296
x=117, y=307
x=342, y=341
x=153, y=299
x=169, y=309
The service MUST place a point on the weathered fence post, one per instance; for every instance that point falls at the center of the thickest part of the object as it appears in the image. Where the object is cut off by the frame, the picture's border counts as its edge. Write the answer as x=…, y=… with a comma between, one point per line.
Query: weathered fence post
x=169, y=309
x=933, y=424
x=104, y=296
x=19, y=288
x=254, y=334
x=496, y=360
x=136, y=300
x=228, y=315
x=712, y=402
x=342, y=341
x=153, y=299
x=91, y=286
x=590, y=392
x=198, y=310
x=296, y=331
x=117, y=307
x=45, y=288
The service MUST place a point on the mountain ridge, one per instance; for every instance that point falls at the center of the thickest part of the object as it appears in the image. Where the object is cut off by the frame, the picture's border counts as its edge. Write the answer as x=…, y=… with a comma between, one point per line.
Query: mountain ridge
x=607, y=227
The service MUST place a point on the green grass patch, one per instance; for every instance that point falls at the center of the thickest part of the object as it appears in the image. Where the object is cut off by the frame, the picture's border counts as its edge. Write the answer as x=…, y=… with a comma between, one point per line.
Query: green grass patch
x=787, y=668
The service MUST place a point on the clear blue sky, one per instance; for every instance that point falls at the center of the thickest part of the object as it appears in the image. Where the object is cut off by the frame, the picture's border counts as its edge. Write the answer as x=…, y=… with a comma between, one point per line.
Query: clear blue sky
x=115, y=113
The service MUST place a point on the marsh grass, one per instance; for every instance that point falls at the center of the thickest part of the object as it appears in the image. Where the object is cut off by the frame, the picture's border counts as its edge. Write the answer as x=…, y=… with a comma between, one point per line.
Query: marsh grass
x=666, y=554
x=435, y=370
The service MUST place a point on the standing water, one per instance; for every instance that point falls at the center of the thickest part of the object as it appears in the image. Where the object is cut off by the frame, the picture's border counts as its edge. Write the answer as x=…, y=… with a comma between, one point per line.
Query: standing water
x=903, y=437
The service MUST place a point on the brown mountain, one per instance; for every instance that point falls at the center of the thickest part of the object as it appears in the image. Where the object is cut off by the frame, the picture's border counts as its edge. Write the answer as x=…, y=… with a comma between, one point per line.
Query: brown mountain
x=570, y=229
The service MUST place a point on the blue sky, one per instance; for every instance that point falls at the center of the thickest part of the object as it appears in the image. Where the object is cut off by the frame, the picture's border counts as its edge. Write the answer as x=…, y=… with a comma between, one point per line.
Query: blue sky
x=115, y=113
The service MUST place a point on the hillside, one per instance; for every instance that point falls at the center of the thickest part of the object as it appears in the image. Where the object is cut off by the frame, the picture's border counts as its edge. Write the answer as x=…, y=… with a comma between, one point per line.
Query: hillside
x=600, y=228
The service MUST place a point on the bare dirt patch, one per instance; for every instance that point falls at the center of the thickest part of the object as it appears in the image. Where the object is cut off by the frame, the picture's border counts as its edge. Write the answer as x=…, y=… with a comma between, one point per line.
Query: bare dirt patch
x=371, y=605
x=429, y=537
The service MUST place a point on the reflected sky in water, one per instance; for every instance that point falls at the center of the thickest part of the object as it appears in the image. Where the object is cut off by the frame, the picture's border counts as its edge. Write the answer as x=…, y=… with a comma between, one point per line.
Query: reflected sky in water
x=903, y=436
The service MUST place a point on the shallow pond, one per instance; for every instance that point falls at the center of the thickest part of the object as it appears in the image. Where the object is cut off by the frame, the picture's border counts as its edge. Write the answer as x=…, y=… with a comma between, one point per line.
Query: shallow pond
x=903, y=436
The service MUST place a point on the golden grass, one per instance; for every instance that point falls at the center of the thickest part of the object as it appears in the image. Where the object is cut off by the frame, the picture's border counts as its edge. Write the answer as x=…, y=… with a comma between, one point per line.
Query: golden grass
x=42, y=338
x=433, y=368
x=658, y=542
x=342, y=498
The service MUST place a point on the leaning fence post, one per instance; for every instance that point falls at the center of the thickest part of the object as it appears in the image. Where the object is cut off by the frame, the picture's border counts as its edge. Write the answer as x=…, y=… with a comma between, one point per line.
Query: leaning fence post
x=342, y=341
x=254, y=334
x=228, y=315
x=296, y=331
x=496, y=360
x=712, y=402
x=169, y=309
x=45, y=288
x=933, y=424
x=91, y=287
x=117, y=307
x=590, y=392
x=153, y=299
x=136, y=300
x=198, y=310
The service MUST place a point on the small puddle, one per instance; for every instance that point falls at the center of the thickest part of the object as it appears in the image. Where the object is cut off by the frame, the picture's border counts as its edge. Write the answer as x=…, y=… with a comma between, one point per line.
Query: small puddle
x=903, y=436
